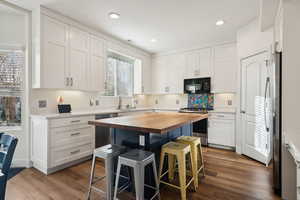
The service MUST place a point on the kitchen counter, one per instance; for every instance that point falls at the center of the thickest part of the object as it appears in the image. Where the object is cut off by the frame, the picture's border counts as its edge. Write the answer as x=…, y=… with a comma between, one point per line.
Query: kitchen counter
x=156, y=122
x=112, y=111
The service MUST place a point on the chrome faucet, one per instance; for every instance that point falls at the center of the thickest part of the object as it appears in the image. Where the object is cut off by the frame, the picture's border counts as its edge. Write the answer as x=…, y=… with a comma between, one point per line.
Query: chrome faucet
x=120, y=103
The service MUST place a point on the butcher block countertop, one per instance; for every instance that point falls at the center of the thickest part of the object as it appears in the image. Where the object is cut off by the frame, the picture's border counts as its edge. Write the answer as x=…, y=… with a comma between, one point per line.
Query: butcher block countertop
x=154, y=122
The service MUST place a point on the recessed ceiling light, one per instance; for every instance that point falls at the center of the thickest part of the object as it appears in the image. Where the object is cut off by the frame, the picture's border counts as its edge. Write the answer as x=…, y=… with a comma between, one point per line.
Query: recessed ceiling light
x=114, y=15
x=153, y=40
x=220, y=22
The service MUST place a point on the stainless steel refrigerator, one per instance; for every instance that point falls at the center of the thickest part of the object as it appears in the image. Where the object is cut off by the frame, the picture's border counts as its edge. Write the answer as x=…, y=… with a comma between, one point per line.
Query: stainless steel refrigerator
x=277, y=135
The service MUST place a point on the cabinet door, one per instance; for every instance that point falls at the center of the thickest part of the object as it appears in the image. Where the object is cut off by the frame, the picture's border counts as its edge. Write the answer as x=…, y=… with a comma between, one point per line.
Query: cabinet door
x=146, y=76
x=175, y=73
x=221, y=132
x=96, y=74
x=225, y=69
x=205, y=62
x=159, y=75
x=192, y=65
x=54, y=53
x=79, y=55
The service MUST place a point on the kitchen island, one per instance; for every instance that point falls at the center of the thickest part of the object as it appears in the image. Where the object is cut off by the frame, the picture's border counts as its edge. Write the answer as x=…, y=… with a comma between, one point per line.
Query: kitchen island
x=149, y=131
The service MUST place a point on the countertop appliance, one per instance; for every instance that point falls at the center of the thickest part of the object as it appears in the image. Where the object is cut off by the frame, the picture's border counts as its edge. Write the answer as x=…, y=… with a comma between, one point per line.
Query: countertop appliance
x=277, y=134
x=197, y=85
x=103, y=134
x=199, y=127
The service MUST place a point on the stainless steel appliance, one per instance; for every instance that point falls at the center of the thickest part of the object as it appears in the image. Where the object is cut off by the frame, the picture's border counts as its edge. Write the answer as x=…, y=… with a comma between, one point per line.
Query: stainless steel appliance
x=199, y=127
x=277, y=135
x=103, y=134
x=197, y=85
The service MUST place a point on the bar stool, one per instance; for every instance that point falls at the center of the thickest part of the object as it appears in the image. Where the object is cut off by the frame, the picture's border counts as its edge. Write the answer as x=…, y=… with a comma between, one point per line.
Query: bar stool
x=109, y=153
x=138, y=160
x=197, y=154
x=179, y=151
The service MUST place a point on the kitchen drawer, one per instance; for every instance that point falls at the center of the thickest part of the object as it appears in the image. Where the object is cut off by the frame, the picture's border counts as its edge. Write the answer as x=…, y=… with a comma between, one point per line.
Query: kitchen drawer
x=65, y=155
x=70, y=121
x=227, y=116
x=68, y=136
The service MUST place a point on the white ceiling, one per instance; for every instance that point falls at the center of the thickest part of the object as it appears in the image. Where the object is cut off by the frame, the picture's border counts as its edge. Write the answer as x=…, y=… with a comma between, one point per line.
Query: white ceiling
x=176, y=24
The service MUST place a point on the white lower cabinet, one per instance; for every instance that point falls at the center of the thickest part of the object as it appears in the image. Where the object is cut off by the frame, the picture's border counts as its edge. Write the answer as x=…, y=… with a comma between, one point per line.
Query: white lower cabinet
x=221, y=129
x=59, y=143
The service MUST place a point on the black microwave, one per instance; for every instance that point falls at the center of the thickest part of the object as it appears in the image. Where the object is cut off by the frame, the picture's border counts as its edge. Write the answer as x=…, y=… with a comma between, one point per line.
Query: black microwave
x=197, y=85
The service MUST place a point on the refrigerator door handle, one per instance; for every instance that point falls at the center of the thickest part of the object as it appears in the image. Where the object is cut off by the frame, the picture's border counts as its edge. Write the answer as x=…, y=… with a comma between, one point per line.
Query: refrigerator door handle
x=267, y=86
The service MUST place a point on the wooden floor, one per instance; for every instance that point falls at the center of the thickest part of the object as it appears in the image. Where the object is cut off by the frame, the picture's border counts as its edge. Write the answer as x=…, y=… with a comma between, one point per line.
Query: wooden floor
x=229, y=177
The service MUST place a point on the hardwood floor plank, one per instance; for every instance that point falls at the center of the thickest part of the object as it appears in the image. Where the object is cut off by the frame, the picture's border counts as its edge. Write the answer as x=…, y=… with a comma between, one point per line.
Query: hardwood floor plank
x=229, y=176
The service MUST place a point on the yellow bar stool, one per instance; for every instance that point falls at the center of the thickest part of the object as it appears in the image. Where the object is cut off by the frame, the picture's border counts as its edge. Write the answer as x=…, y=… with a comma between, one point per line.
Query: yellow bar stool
x=197, y=155
x=179, y=151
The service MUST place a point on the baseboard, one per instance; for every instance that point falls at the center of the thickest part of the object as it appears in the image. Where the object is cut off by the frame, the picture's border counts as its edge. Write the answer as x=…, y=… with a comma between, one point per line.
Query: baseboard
x=21, y=163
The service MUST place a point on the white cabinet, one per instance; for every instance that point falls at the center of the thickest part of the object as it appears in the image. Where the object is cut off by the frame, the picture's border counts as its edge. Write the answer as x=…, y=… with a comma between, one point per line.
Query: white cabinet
x=146, y=75
x=221, y=129
x=198, y=63
x=79, y=58
x=54, y=54
x=96, y=73
x=59, y=143
x=71, y=58
x=167, y=74
x=225, y=69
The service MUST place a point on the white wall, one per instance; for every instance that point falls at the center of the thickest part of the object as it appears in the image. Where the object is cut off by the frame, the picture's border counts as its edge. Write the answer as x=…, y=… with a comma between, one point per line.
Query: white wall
x=170, y=101
x=250, y=40
x=13, y=34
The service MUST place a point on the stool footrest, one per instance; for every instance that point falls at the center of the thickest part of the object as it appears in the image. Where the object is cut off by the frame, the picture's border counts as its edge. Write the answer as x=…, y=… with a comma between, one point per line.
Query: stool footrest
x=98, y=190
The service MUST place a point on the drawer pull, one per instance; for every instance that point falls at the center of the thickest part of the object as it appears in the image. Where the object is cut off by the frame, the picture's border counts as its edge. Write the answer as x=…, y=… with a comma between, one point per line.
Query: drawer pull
x=74, y=134
x=74, y=152
x=75, y=121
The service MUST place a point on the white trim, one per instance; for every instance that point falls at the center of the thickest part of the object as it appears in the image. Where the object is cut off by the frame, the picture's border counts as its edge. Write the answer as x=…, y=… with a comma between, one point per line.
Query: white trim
x=12, y=47
x=21, y=163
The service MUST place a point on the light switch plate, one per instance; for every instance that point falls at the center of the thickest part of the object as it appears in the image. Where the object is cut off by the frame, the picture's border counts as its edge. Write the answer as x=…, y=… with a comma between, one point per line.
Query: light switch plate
x=156, y=101
x=42, y=104
x=177, y=101
x=142, y=140
x=229, y=102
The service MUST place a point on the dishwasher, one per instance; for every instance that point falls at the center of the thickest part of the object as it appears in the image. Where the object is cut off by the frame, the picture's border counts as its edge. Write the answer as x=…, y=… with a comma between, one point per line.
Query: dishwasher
x=103, y=135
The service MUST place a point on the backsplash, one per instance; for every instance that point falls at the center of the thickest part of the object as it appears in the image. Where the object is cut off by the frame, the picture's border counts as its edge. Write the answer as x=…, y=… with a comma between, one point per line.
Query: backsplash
x=201, y=101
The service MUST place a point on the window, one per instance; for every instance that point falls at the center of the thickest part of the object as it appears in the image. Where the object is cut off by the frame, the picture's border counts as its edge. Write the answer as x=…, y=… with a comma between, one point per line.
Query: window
x=119, y=75
x=11, y=68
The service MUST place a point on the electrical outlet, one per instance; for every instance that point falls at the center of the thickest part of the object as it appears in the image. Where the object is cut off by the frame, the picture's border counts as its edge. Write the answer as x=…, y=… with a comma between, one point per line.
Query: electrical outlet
x=156, y=101
x=142, y=140
x=91, y=102
x=229, y=102
x=42, y=104
x=177, y=101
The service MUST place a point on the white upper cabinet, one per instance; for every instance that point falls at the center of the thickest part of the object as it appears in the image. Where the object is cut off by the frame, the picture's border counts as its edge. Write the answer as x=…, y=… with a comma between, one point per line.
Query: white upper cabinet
x=79, y=58
x=167, y=74
x=198, y=63
x=96, y=73
x=54, y=51
x=225, y=69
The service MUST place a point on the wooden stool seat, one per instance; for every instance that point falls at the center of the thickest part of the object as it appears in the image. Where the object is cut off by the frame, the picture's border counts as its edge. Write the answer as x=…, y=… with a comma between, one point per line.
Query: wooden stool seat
x=197, y=155
x=179, y=151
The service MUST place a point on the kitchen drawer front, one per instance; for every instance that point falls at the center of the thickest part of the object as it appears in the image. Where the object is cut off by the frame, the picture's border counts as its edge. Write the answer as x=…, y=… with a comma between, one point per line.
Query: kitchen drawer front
x=65, y=155
x=226, y=116
x=64, y=136
x=221, y=132
x=70, y=121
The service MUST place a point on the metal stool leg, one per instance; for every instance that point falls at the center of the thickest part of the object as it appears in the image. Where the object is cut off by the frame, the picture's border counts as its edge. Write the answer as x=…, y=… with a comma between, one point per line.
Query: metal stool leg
x=109, y=178
x=155, y=177
x=139, y=179
x=91, y=176
x=117, y=180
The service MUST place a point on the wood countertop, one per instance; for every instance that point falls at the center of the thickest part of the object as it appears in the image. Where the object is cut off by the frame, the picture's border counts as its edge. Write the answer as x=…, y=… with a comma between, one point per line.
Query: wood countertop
x=154, y=122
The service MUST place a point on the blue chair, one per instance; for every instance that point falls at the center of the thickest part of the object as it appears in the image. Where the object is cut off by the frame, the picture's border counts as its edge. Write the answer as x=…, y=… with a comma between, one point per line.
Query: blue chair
x=8, y=145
